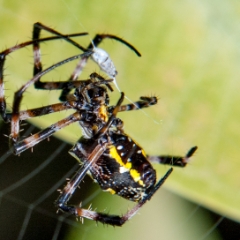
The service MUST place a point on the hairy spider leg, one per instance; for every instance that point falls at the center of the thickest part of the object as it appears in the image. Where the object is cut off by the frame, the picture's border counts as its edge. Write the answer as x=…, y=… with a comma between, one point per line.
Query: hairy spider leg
x=144, y=102
x=100, y=37
x=3, y=55
x=29, y=142
x=98, y=55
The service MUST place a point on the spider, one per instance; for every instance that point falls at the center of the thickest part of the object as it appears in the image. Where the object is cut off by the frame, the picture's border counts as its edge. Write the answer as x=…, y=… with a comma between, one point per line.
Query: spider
x=113, y=159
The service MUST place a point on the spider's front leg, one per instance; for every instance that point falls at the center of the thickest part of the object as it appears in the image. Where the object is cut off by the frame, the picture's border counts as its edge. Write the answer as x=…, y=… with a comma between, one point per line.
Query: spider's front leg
x=100, y=37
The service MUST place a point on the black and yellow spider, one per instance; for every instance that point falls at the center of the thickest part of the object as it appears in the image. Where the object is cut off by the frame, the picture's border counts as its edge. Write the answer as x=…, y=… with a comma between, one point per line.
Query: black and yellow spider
x=117, y=163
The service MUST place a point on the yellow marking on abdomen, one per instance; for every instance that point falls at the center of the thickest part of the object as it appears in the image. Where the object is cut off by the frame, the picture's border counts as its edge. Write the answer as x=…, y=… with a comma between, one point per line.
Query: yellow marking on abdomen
x=128, y=166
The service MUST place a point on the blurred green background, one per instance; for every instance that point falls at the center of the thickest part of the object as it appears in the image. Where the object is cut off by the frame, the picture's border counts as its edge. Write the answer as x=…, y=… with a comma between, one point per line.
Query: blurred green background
x=190, y=60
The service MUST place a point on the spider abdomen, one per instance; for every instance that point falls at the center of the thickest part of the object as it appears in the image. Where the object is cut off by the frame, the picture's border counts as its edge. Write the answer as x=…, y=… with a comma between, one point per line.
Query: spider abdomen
x=124, y=170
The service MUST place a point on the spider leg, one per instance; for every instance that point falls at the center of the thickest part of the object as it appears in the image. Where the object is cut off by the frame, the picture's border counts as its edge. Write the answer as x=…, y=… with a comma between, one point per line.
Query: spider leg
x=113, y=220
x=37, y=112
x=100, y=37
x=34, y=139
x=77, y=71
x=37, y=27
x=176, y=161
x=144, y=102
x=3, y=105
